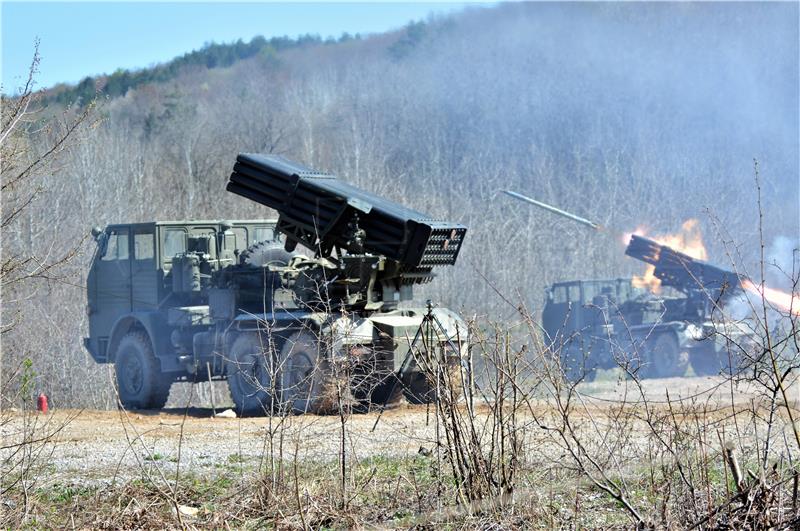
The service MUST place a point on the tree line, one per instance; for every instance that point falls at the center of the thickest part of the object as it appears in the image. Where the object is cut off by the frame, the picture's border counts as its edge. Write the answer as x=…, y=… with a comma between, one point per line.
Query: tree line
x=212, y=55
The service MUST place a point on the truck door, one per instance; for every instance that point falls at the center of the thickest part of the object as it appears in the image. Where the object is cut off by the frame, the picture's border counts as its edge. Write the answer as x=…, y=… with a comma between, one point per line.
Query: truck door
x=146, y=278
x=111, y=276
x=555, y=312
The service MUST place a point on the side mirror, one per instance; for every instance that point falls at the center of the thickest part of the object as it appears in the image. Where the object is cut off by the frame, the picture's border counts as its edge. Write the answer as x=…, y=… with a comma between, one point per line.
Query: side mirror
x=102, y=240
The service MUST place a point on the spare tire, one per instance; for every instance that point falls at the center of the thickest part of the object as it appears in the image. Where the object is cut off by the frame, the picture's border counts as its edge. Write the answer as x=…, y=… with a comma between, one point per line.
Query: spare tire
x=270, y=252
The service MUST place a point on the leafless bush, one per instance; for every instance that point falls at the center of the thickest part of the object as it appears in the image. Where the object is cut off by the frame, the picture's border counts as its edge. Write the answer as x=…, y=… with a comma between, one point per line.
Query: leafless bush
x=31, y=144
x=481, y=444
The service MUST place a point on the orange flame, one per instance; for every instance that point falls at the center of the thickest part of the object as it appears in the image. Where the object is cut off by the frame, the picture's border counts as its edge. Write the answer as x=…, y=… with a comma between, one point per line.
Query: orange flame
x=782, y=300
x=688, y=241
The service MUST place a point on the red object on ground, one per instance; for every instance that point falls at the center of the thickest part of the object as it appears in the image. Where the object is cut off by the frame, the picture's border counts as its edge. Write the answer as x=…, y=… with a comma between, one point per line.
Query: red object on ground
x=41, y=403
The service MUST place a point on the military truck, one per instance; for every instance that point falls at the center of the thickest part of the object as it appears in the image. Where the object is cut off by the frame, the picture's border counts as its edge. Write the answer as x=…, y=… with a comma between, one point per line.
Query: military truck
x=191, y=300
x=601, y=324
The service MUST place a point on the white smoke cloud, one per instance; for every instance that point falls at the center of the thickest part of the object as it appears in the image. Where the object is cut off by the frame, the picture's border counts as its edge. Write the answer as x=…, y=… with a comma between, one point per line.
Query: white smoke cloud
x=782, y=259
x=781, y=269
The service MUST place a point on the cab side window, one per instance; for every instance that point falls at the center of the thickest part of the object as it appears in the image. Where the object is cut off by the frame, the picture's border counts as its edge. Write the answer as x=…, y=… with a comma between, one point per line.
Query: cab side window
x=236, y=238
x=174, y=243
x=117, y=246
x=262, y=234
x=144, y=245
x=575, y=293
x=560, y=295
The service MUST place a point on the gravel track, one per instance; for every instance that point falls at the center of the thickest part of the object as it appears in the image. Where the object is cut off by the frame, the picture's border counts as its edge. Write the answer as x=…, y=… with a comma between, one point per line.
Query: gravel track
x=114, y=445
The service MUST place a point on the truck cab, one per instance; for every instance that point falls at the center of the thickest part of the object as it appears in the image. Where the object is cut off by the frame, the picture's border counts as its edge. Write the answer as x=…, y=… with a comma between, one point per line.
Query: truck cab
x=584, y=306
x=130, y=286
x=578, y=320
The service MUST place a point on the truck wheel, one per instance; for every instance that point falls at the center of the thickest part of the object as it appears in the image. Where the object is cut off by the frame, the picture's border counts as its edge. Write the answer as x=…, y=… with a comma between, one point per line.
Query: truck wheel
x=707, y=361
x=664, y=358
x=307, y=385
x=381, y=396
x=250, y=375
x=139, y=379
x=371, y=380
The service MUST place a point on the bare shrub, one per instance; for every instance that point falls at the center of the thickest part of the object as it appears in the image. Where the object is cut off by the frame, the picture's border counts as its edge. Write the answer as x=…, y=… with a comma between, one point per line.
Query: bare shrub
x=31, y=144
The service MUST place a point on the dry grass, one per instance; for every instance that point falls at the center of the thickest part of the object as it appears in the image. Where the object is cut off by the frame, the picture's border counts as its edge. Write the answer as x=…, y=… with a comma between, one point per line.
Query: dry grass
x=550, y=489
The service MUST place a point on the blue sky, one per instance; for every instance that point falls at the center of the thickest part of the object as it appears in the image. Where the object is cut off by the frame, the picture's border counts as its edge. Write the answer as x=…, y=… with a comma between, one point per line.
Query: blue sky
x=81, y=39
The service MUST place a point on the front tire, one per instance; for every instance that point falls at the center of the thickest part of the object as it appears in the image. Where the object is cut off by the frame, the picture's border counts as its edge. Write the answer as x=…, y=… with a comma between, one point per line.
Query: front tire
x=707, y=361
x=140, y=382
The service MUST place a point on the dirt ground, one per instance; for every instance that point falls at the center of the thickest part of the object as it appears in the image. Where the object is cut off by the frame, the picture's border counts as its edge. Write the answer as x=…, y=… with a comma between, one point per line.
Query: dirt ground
x=115, y=445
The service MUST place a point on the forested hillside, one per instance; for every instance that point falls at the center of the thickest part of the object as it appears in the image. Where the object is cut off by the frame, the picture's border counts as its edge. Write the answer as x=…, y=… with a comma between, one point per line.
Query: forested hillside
x=212, y=55
x=629, y=114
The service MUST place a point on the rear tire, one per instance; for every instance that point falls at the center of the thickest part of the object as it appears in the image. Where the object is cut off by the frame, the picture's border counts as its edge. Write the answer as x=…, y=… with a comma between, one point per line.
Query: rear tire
x=307, y=380
x=420, y=388
x=250, y=375
x=707, y=361
x=140, y=382
x=665, y=359
x=373, y=382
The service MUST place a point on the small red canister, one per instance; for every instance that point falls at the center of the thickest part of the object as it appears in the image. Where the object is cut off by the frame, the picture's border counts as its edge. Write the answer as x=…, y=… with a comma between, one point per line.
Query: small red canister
x=41, y=403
